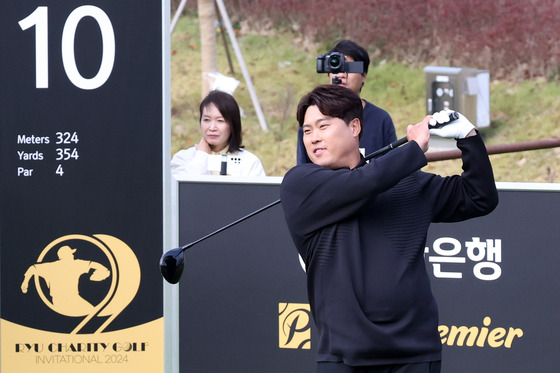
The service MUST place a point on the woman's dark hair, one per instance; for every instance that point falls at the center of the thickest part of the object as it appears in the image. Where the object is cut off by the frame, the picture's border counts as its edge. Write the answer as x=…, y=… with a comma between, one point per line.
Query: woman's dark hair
x=350, y=48
x=229, y=109
x=333, y=101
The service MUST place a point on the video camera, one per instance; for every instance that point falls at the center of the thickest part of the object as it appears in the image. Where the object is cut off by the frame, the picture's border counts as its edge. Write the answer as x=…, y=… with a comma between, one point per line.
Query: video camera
x=335, y=63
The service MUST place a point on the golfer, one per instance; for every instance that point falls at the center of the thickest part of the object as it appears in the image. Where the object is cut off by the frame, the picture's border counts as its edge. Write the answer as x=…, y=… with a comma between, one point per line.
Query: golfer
x=361, y=230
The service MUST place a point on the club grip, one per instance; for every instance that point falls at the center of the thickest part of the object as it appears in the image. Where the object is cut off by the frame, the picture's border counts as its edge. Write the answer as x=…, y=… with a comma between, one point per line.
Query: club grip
x=386, y=149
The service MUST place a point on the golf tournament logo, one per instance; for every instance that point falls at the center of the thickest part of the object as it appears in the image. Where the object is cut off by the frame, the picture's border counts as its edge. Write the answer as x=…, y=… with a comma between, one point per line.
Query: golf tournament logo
x=294, y=325
x=73, y=267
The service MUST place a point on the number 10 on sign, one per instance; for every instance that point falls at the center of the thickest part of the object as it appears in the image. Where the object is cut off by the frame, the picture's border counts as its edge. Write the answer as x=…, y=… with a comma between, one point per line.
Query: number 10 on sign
x=39, y=20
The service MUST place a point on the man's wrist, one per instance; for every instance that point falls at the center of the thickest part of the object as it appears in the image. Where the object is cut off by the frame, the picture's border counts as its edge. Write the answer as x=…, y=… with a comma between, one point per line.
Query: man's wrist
x=471, y=133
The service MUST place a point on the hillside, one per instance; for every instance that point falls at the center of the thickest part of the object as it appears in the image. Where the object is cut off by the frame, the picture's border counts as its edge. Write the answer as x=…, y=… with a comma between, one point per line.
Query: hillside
x=282, y=67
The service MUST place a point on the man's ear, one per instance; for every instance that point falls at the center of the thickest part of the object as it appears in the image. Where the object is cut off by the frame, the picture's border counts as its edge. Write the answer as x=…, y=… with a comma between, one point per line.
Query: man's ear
x=356, y=127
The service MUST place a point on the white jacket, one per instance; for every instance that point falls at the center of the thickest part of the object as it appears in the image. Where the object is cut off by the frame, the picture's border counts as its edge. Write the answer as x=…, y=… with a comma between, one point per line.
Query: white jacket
x=196, y=162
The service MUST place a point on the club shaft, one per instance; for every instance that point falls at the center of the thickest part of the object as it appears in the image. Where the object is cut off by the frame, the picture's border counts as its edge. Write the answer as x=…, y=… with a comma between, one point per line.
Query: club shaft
x=232, y=224
x=375, y=154
x=386, y=149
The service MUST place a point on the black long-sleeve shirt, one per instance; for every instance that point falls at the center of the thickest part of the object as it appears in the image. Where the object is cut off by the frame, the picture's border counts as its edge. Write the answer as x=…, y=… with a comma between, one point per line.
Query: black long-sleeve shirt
x=362, y=234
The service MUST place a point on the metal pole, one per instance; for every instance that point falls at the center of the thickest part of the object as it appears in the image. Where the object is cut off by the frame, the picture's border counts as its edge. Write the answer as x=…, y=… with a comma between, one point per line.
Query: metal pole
x=178, y=14
x=207, y=25
x=241, y=61
x=223, y=32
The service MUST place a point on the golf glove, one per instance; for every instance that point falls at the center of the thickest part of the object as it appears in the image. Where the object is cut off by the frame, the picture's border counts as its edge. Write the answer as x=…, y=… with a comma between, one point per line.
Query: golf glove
x=443, y=124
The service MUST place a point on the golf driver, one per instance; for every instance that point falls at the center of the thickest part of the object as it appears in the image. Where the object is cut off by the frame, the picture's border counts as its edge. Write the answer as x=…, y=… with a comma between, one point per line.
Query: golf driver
x=172, y=263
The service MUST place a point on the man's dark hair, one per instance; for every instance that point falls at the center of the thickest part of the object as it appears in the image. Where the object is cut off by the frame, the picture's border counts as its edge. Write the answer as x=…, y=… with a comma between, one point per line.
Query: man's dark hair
x=229, y=109
x=350, y=48
x=333, y=101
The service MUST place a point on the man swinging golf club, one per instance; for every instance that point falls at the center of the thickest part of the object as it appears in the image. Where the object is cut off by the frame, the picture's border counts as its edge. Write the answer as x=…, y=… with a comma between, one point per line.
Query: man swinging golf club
x=361, y=230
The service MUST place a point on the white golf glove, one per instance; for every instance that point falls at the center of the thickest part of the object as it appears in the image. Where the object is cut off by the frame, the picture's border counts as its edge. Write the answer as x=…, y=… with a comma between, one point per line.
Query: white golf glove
x=443, y=124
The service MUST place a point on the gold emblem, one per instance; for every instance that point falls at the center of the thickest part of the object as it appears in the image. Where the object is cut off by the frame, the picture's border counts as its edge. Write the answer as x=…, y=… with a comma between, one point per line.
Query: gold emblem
x=294, y=325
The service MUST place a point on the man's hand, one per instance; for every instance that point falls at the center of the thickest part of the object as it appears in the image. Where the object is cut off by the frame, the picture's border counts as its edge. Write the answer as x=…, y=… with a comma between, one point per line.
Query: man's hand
x=457, y=129
x=420, y=133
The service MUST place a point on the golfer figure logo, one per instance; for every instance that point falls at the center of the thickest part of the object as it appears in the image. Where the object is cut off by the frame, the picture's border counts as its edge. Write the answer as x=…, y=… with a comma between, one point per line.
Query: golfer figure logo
x=62, y=278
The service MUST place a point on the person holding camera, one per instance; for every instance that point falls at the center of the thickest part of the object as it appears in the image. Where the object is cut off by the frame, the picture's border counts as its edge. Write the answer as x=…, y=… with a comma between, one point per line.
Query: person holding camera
x=378, y=127
x=361, y=230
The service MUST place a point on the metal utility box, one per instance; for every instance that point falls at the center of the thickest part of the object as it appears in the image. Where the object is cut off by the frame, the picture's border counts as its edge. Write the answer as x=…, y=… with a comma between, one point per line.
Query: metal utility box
x=464, y=90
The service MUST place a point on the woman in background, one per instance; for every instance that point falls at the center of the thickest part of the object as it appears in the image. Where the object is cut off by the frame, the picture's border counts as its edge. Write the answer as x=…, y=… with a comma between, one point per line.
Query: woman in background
x=220, y=124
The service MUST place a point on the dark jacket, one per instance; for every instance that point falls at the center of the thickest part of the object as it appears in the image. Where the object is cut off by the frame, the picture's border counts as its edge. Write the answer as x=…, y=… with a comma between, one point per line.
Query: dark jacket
x=362, y=234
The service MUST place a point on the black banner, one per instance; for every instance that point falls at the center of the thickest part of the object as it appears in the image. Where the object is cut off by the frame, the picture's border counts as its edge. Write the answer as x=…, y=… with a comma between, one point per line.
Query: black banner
x=243, y=302
x=81, y=191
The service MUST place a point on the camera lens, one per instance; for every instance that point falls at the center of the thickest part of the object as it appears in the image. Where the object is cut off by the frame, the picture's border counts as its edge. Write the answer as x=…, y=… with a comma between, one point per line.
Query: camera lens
x=334, y=62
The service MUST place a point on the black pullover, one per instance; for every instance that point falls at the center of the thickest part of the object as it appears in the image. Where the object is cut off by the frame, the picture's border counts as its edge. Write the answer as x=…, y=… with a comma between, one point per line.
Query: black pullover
x=362, y=234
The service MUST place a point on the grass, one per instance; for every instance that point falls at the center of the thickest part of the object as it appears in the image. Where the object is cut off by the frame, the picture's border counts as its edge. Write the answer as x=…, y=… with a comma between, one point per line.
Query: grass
x=282, y=69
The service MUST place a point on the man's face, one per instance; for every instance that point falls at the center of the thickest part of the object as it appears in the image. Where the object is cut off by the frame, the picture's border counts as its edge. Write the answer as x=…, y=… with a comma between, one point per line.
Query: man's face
x=353, y=81
x=330, y=142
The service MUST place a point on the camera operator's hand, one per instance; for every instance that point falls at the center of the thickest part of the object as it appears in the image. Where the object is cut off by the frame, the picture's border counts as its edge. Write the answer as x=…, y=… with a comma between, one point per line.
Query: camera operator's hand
x=456, y=129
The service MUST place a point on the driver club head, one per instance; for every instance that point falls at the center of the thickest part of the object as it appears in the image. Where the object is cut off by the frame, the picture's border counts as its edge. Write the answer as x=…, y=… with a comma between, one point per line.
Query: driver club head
x=172, y=264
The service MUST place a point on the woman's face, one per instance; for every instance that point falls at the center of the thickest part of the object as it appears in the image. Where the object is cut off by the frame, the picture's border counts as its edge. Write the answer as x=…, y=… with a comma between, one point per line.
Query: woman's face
x=215, y=130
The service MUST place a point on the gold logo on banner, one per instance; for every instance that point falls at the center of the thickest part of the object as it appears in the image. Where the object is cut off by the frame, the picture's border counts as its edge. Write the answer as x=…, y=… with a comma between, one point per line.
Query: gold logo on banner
x=471, y=336
x=294, y=325
x=57, y=281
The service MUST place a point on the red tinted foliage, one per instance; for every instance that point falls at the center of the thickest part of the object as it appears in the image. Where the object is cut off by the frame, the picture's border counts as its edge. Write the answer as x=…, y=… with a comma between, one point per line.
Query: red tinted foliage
x=511, y=38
